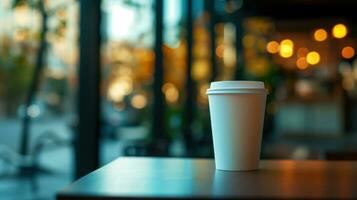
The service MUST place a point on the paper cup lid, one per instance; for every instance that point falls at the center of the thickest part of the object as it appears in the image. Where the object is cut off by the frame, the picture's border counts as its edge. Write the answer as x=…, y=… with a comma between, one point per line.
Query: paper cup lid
x=236, y=85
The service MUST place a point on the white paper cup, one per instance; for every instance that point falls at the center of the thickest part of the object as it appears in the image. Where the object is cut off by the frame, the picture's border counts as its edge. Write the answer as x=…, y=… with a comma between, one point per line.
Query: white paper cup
x=237, y=115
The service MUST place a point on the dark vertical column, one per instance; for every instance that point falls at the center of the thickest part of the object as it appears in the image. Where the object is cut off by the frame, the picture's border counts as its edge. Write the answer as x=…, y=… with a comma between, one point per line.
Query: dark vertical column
x=35, y=81
x=157, y=132
x=212, y=23
x=87, y=141
x=189, y=104
x=238, y=18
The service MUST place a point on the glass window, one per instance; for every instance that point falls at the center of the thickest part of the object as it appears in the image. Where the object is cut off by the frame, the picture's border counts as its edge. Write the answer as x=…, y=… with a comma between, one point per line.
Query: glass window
x=51, y=123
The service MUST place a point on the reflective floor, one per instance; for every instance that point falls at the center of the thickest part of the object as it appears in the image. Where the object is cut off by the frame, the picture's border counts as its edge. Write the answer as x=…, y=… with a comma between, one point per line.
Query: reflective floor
x=56, y=160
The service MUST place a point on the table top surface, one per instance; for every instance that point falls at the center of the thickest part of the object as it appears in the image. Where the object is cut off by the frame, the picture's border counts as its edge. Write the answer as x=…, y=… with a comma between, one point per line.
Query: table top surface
x=177, y=178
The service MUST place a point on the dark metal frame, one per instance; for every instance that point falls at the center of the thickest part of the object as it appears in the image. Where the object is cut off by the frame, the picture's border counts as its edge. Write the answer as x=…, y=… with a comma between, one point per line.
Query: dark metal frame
x=189, y=108
x=87, y=140
x=158, y=141
x=212, y=23
x=238, y=18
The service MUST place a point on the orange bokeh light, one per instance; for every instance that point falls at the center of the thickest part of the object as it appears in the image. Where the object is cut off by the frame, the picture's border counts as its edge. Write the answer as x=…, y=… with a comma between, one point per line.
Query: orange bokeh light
x=273, y=47
x=347, y=52
x=219, y=50
x=320, y=35
x=301, y=63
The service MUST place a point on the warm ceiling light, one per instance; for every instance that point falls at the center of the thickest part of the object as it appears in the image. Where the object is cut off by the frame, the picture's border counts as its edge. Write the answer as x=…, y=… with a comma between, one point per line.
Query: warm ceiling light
x=320, y=35
x=301, y=63
x=286, y=48
x=347, y=52
x=273, y=47
x=339, y=31
x=313, y=58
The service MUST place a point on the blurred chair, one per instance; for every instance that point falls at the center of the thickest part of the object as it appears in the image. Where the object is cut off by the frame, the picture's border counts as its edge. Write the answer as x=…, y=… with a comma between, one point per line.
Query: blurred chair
x=15, y=165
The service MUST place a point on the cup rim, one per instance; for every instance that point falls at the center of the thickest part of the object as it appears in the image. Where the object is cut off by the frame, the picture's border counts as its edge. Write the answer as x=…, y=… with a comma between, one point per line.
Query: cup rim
x=219, y=85
x=236, y=91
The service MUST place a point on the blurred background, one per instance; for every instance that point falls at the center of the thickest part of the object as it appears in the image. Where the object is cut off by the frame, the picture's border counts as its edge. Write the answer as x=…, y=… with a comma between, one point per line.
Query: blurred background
x=83, y=82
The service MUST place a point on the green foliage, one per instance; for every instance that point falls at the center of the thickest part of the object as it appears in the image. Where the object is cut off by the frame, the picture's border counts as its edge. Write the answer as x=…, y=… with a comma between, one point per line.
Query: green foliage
x=17, y=59
x=16, y=3
x=15, y=70
x=31, y=3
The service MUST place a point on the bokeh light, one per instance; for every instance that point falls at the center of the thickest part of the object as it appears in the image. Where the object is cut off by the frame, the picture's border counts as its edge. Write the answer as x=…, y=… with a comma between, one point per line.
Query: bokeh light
x=347, y=52
x=229, y=56
x=138, y=101
x=115, y=92
x=220, y=50
x=120, y=87
x=33, y=111
x=286, y=48
x=313, y=58
x=201, y=69
x=339, y=31
x=273, y=47
x=171, y=92
x=301, y=63
x=320, y=35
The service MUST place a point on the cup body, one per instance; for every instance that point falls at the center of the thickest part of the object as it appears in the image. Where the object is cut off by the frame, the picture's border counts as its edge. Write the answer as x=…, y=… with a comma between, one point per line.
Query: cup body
x=237, y=117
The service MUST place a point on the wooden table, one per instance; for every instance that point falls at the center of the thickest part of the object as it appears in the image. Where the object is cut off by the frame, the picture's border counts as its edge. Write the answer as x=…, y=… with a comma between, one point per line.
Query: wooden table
x=176, y=178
